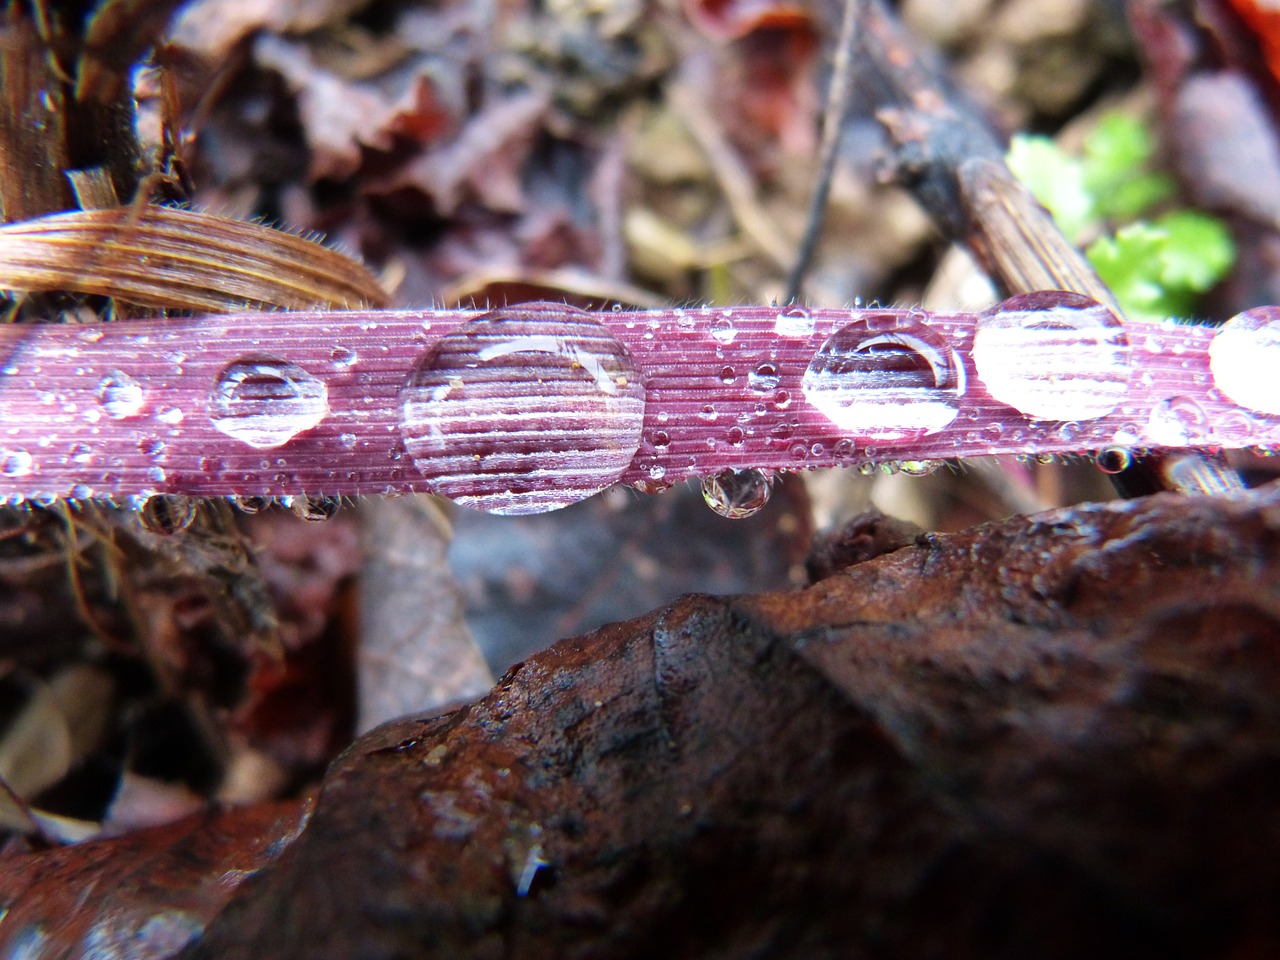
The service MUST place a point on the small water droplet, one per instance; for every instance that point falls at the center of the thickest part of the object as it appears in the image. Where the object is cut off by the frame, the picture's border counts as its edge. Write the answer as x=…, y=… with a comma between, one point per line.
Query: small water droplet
x=735, y=436
x=661, y=438
x=315, y=508
x=868, y=469
x=343, y=357
x=151, y=447
x=657, y=472
x=120, y=395
x=737, y=494
x=250, y=504
x=794, y=322
x=782, y=431
x=16, y=463
x=524, y=410
x=1114, y=459
x=764, y=377
x=798, y=451
x=723, y=330
x=918, y=468
x=1177, y=422
x=842, y=451
x=708, y=413
x=82, y=491
x=782, y=399
x=348, y=440
x=170, y=415
x=80, y=453
x=1070, y=431
x=1126, y=435
x=266, y=402
x=727, y=374
x=886, y=377
x=166, y=514
x=1053, y=356
x=1244, y=356
x=156, y=474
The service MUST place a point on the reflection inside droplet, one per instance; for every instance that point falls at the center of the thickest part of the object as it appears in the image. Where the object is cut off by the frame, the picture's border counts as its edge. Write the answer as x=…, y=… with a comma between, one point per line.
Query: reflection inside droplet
x=737, y=494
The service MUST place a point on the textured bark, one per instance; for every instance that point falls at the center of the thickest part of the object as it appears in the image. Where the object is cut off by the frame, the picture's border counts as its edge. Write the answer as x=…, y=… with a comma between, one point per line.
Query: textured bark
x=1054, y=736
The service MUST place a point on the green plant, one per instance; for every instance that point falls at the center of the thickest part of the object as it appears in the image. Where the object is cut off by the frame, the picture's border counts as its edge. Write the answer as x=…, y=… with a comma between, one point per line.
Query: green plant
x=1157, y=264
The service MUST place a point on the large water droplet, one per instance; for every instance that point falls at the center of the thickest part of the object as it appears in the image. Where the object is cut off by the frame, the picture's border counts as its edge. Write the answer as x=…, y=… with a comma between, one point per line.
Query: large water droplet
x=524, y=410
x=723, y=330
x=120, y=395
x=1245, y=357
x=1177, y=422
x=886, y=377
x=265, y=402
x=737, y=494
x=1053, y=356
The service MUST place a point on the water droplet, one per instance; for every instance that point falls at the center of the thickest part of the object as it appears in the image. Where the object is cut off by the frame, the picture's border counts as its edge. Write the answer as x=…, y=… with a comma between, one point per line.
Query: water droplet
x=250, y=505
x=782, y=431
x=1177, y=422
x=727, y=374
x=794, y=322
x=315, y=508
x=799, y=451
x=1244, y=356
x=1126, y=435
x=1070, y=431
x=266, y=402
x=166, y=514
x=867, y=468
x=80, y=453
x=842, y=451
x=170, y=415
x=886, y=377
x=919, y=468
x=348, y=440
x=763, y=377
x=657, y=472
x=735, y=436
x=661, y=438
x=16, y=463
x=156, y=474
x=120, y=395
x=151, y=447
x=1113, y=459
x=782, y=399
x=723, y=330
x=1053, y=356
x=708, y=413
x=524, y=410
x=737, y=494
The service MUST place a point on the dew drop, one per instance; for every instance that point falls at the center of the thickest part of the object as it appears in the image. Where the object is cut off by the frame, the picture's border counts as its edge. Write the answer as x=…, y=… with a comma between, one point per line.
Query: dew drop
x=661, y=438
x=735, y=436
x=16, y=463
x=1114, y=459
x=1070, y=431
x=1177, y=422
x=348, y=440
x=918, y=468
x=166, y=514
x=1053, y=356
x=799, y=451
x=727, y=375
x=170, y=415
x=657, y=472
x=315, y=508
x=524, y=410
x=885, y=377
x=763, y=377
x=708, y=413
x=266, y=402
x=737, y=494
x=250, y=505
x=1244, y=356
x=842, y=451
x=343, y=357
x=80, y=453
x=794, y=322
x=120, y=395
x=723, y=330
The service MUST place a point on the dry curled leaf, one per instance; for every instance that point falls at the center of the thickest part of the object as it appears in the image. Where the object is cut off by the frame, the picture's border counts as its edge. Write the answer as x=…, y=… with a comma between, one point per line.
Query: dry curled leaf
x=179, y=260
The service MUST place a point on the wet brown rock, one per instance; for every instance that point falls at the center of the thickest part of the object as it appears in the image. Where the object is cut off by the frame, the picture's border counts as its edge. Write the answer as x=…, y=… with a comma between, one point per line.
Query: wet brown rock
x=1052, y=736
